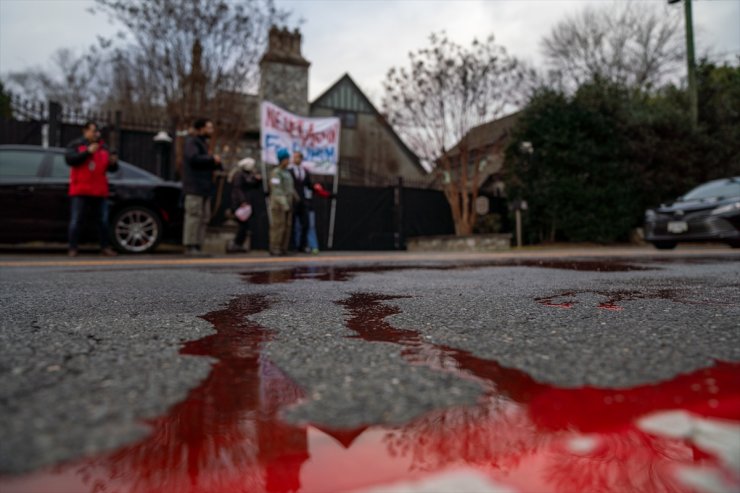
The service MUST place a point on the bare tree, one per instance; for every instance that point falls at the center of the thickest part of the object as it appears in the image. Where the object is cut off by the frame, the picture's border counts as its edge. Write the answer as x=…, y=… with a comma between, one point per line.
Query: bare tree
x=189, y=56
x=629, y=44
x=436, y=101
x=181, y=57
x=72, y=79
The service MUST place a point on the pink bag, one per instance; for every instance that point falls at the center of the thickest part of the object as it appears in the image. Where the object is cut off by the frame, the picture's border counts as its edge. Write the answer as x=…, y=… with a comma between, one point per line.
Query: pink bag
x=244, y=212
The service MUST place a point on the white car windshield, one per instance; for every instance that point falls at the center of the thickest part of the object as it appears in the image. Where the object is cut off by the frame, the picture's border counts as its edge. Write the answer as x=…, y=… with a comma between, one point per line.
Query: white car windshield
x=715, y=189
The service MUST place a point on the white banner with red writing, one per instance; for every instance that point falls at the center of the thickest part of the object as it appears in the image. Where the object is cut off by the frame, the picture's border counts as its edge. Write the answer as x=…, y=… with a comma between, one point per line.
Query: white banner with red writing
x=316, y=138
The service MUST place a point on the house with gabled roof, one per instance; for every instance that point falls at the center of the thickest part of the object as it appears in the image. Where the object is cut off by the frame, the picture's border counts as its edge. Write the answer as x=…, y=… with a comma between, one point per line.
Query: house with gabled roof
x=371, y=152
x=486, y=145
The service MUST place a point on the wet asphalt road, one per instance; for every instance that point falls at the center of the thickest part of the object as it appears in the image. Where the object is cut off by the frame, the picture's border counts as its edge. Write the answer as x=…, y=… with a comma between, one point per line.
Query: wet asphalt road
x=87, y=352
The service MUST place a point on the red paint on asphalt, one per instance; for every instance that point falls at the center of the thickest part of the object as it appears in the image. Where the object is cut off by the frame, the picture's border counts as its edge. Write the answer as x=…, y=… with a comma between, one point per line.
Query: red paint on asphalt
x=228, y=434
x=613, y=299
x=612, y=307
x=566, y=304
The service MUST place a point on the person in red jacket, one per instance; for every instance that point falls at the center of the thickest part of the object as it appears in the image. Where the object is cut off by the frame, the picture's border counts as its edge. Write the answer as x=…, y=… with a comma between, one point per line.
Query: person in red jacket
x=90, y=160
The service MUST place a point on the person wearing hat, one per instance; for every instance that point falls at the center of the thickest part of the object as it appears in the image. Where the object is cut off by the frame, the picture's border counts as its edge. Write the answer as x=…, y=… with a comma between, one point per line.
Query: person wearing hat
x=282, y=198
x=245, y=187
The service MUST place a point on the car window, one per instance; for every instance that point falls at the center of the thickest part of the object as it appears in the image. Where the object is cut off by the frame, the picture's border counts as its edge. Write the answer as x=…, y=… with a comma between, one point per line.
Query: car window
x=20, y=164
x=713, y=189
x=128, y=171
x=59, y=167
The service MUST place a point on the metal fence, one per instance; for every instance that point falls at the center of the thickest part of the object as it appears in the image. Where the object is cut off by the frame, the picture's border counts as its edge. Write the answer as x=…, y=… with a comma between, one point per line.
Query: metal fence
x=50, y=124
x=368, y=218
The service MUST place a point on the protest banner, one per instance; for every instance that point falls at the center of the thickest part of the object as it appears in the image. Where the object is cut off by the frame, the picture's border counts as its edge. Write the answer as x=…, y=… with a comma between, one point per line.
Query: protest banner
x=316, y=138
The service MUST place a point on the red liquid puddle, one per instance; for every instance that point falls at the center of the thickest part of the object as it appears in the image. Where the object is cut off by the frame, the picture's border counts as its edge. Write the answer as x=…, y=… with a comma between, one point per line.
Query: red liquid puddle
x=227, y=436
x=567, y=299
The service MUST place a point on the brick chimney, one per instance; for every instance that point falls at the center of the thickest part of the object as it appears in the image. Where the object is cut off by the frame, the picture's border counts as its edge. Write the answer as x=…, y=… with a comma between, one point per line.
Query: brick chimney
x=284, y=71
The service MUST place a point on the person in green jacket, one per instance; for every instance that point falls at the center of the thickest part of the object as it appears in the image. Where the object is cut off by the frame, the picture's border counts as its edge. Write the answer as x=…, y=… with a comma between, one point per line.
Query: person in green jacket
x=282, y=198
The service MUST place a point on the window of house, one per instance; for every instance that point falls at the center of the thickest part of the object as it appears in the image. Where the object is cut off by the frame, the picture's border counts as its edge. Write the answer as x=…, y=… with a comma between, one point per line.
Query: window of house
x=348, y=118
x=20, y=164
x=349, y=167
x=344, y=171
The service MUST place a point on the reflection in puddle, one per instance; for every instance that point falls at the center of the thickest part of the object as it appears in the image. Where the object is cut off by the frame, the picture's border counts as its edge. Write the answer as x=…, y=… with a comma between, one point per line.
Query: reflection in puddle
x=227, y=436
x=331, y=273
x=282, y=276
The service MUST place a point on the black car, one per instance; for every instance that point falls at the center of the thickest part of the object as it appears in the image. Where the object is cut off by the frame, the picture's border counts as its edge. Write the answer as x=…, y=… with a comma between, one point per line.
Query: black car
x=710, y=212
x=34, y=205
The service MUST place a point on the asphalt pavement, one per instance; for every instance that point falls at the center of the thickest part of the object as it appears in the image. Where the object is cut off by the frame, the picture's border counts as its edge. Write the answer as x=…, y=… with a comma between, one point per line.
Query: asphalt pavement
x=90, y=348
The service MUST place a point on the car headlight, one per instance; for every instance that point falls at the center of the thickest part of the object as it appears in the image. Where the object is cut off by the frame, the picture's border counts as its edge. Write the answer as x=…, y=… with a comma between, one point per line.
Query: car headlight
x=724, y=209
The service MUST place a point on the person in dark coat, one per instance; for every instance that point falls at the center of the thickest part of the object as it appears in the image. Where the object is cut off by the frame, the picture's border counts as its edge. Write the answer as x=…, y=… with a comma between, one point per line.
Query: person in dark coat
x=90, y=160
x=304, y=216
x=245, y=188
x=198, y=168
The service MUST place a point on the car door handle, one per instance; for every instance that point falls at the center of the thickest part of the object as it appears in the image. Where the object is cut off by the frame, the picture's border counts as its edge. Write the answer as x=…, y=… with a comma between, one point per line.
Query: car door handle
x=25, y=188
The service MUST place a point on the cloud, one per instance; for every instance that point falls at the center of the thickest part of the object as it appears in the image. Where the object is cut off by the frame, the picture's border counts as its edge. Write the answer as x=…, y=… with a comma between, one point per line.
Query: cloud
x=362, y=37
x=32, y=30
x=367, y=37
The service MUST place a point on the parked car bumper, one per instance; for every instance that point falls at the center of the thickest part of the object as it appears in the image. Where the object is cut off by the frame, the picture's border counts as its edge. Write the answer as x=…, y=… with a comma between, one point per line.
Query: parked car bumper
x=705, y=228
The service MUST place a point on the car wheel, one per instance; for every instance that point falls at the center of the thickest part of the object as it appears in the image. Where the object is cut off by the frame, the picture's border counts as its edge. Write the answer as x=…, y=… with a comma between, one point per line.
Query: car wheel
x=665, y=245
x=136, y=229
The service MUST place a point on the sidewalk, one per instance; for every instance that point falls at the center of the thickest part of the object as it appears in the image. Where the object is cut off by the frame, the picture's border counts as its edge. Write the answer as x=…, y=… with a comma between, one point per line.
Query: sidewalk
x=25, y=259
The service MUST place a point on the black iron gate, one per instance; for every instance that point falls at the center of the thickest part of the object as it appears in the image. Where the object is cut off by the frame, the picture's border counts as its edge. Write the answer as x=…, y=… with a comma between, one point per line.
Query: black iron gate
x=50, y=124
x=368, y=218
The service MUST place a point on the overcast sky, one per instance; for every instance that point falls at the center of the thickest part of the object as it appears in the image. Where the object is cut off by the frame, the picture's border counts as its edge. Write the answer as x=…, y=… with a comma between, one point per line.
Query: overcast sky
x=362, y=37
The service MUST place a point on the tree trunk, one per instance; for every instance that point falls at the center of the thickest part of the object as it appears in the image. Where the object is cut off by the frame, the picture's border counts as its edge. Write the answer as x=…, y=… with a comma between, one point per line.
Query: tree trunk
x=456, y=192
x=463, y=159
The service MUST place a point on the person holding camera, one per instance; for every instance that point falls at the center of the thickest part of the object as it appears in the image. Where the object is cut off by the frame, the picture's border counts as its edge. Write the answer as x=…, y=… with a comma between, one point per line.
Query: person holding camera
x=199, y=166
x=90, y=160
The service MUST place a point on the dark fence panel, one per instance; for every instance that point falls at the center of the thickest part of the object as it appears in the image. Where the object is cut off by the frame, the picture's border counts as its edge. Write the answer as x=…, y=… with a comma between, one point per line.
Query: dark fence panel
x=367, y=218
x=260, y=239
x=21, y=132
x=69, y=132
x=426, y=213
x=137, y=148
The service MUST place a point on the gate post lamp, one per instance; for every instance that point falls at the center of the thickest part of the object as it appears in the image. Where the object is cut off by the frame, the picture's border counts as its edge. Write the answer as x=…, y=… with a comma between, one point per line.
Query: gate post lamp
x=162, y=143
x=527, y=149
x=691, y=62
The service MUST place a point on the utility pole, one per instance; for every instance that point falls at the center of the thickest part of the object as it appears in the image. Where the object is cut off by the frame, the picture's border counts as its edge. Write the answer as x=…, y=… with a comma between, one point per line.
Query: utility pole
x=691, y=62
